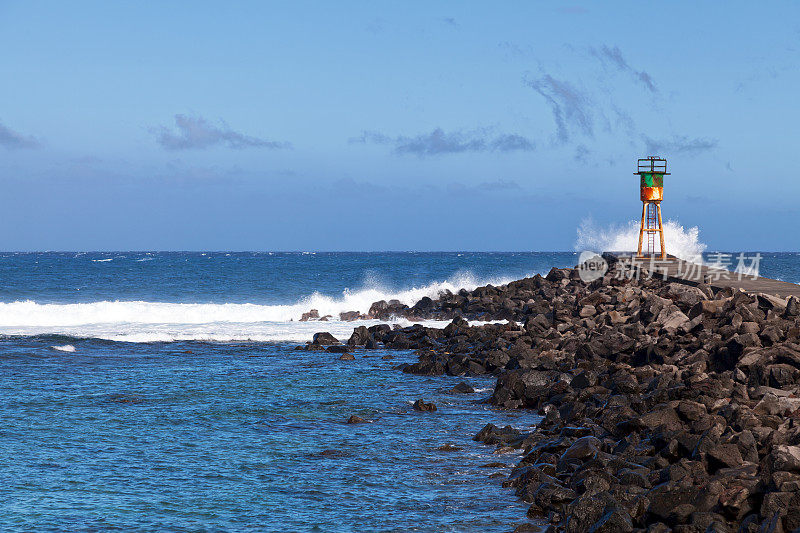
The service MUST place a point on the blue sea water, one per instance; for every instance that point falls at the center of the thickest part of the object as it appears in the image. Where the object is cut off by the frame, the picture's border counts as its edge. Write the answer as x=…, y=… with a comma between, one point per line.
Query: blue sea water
x=162, y=392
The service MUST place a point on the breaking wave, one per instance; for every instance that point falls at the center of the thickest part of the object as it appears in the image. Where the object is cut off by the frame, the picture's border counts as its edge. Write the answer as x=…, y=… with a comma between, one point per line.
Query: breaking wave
x=140, y=321
x=680, y=242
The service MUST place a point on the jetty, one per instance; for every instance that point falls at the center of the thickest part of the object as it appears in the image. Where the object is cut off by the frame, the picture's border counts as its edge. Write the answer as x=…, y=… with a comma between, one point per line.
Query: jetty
x=715, y=275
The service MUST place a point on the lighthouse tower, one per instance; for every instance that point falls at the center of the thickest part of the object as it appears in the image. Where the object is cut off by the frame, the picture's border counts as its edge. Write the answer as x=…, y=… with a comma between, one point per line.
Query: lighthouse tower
x=651, y=173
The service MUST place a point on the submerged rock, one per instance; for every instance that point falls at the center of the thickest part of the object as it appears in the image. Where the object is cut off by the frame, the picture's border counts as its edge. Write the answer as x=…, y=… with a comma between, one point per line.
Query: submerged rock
x=337, y=348
x=461, y=388
x=125, y=398
x=331, y=454
x=421, y=405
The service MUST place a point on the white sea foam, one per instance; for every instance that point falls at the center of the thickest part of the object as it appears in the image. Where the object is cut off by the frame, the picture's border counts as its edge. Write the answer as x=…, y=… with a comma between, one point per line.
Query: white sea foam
x=30, y=313
x=140, y=321
x=102, y=260
x=680, y=242
x=65, y=348
x=212, y=332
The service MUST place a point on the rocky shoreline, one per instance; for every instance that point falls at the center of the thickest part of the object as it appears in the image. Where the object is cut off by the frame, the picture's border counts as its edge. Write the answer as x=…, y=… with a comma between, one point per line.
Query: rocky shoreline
x=666, y=406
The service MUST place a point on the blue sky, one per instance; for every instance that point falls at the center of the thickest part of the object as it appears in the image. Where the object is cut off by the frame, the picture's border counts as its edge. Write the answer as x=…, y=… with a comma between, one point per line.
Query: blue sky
x=392, y=125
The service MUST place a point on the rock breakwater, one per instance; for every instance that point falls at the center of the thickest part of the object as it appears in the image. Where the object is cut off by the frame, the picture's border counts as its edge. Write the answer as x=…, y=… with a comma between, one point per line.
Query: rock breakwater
x=666, y=407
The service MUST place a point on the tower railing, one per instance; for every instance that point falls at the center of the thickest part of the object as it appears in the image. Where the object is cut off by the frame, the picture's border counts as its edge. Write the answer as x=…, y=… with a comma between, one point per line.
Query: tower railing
x=652, y=164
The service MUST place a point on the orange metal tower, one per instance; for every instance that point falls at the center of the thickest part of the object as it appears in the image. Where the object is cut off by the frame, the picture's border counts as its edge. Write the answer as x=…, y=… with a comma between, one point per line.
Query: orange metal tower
x=651, y=173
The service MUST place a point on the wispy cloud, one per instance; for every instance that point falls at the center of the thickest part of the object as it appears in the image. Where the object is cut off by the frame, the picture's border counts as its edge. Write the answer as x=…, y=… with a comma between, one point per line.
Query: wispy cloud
x=449, y=21
x=13, y=140
x=511, y=142
x=570, y=106
x=439, y=142
x=499, y=185
x=198, y=133
x=582, y=108
x=679, y=144
x=581, y=154
x=614, y=57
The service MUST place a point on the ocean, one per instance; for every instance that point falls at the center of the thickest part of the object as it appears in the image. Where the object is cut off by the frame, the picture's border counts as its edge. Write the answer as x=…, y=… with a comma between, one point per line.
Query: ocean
x=144, y=391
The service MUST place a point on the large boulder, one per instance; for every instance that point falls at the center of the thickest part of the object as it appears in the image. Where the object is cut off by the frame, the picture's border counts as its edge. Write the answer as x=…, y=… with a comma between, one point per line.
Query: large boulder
x=582, y=449
x=324, y=339
x=310, y=315
x=360, y=336
x=349, y=316
x=518, y=388
x=671, y=502
x=792, y=308
x=671, y=318
x=786, y=458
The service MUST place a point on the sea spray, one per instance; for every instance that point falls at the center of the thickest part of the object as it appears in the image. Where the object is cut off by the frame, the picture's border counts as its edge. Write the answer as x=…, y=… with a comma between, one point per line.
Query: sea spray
x=680, y=242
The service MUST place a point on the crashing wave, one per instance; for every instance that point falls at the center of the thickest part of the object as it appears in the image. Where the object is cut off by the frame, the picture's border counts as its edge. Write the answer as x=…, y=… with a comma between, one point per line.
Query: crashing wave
x=140, y=321
x=30, y=313
x=680, y=242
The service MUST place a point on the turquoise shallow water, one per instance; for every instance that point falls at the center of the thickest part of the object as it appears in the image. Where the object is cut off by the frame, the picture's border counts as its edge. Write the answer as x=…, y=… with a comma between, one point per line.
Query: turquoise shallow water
x=238, y=437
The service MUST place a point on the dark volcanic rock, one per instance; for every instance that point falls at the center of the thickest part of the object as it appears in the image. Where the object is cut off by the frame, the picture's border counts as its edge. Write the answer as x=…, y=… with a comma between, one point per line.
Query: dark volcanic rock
x=461, y=388
x=665, y=407
x=491, y=434
x=383, y=310
x=311, y=315
x=792, y=308
x=324, y=339
x=421, y=405
x=337, y=348
x=360, y=337
x=349, y=316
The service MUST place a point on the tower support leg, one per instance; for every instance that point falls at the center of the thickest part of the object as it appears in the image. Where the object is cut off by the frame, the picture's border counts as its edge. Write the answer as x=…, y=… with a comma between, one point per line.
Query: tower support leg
x=661, y=232
x=641, y=229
